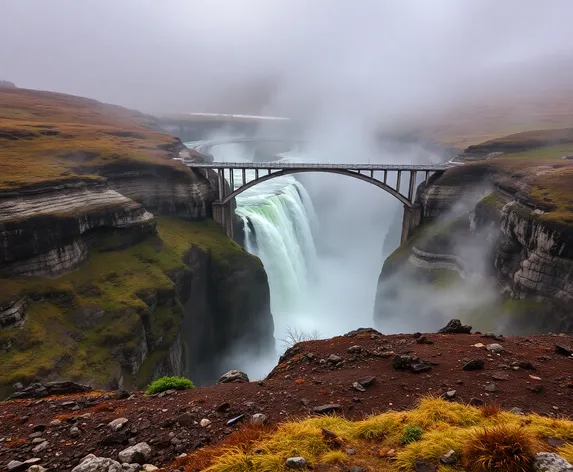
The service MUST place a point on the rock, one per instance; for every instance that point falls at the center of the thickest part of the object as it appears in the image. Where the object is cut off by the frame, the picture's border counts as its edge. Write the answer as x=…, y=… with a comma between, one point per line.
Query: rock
x=491, y=387
x=476, y=402
x=74, y=432
x=563, y=350
x=475, y=364
x=494, y=336
x=536, y=388
x=328, y=408
x=357, y=386
x=205, y=422
x=402, y=362
x=449, y=458
x=424, y=340
x=92, y=463
x=149, y=468
x=38, y=390
x=424, y=466
x=36, y=468
x=450, y=394
x=296, y=463
x=234, y=376
x=517, y=411
x=555, y=442
x=222, y=407
x=55, y=423
x=525, y=365
x=18, y=466
x=140, y=453
x=40, y=447
x=122, y=395
x=360, y=331
x=495, y=348
x=367, y=381
x=334, y=359
x=549, y=462
x=118, y=423
x=500, y=376
x=455, y=327
x=259, y=419
x=236, y=419
x=354, y=349
x=417, y=368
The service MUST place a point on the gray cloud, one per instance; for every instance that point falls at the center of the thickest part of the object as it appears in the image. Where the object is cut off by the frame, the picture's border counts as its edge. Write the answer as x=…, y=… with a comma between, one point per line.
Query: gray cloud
x=373, y=59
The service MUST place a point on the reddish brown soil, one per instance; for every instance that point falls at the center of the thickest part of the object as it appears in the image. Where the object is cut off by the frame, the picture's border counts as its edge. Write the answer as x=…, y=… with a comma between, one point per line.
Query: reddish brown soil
x=293, y=389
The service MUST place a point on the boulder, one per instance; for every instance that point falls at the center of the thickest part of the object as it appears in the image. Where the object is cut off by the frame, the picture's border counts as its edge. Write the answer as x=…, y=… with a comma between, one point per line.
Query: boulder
x=234, y=376
x=455, y=327
x=296, y=463
x=140, y=454
x=549, y=462
x=92, y=463
x=38, y=390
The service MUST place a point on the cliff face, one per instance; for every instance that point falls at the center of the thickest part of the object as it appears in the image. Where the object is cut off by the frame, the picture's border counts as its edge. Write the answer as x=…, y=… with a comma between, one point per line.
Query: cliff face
x=100, y=280
x=477, y=222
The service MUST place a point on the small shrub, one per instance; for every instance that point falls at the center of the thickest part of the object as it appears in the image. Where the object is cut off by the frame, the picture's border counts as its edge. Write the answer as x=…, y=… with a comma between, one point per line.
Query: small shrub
x=412, y=434
x=502, y=447
x=169, y=383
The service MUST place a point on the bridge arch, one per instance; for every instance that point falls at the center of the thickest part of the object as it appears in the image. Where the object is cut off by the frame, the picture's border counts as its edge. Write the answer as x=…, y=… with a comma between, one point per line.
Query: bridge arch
x=354, y=174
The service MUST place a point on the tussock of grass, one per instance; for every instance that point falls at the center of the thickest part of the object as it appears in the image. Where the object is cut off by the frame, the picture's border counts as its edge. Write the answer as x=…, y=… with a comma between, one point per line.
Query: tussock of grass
x=487, y=439
x=169, y=383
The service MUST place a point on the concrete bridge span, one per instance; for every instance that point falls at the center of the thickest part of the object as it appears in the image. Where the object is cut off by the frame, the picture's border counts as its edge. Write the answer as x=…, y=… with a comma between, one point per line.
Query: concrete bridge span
x=388, y=177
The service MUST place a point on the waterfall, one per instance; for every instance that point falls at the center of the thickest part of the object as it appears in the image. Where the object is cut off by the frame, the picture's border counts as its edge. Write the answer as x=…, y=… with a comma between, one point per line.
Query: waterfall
x=277, y=217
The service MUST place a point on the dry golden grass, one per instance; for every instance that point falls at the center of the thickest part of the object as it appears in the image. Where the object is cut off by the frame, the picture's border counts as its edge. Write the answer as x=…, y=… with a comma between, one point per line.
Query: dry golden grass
x=50, y=137
x=489, y=438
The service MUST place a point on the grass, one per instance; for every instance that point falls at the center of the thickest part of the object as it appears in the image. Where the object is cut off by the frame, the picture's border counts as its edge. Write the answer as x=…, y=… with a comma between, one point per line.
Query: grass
x=487, y=441
x=49, y=137
x=169, y=383
x=57, y=336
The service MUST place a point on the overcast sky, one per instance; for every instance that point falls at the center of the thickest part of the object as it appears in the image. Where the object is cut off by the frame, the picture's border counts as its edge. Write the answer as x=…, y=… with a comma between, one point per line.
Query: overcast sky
x=372, y=57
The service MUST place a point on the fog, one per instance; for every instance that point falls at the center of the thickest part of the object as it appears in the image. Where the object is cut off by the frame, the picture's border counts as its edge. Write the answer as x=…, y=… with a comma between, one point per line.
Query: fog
x=345, y=69
x=380, y=62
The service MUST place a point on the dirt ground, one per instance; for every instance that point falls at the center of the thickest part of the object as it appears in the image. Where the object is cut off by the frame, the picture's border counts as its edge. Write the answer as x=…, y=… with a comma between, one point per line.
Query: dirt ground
x=530, y=374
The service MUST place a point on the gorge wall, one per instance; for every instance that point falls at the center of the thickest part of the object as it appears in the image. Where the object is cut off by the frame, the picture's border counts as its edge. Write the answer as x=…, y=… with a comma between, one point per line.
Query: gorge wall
x=114, y=274
x=485, y=234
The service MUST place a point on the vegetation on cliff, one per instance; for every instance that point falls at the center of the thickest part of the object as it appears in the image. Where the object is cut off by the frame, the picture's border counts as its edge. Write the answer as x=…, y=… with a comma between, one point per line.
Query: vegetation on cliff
x=53, y=138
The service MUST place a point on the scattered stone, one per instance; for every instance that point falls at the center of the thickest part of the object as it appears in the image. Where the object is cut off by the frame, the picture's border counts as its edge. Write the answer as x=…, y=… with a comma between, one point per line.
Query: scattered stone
x=403, y=362
x=534, y=377
x=334, y=359
x=526, y=365
x=38, y=390
x=296, y=463
x=358, y=387
x=536, y=388
x=478, y=345
x=563, y=350
x=234, y=376
x=350, y=452
x=40, y=447
x=495, y=348
x=491, y=387
x=450, y=394
x=259, y=419
x=140, y=453
x=118, y=423
x=367, y=381
x=38, y=440
x=236, y=419
x=424, y=340
x=497, y=337
x=417, y=368
x=222, y=407
x=555, y=442
x=517, y=411
x=548, y=462
x=149, y=468
x=455, y=327
x=424, y=466
x=91, y=463
x=74, y=432
x=500, y=376
x=328, y=408
x=449, y=458
x=354, y=350
x=186, y=419
x=36, y=468
x=476, y=364
x=122, y=395
x=359, y=331
x=476, y=402
x=205, y=422
x=18, y=466
x=55, y=423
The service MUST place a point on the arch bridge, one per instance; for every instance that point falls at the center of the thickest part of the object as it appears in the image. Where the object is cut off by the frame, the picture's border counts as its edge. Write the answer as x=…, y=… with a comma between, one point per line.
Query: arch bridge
x=398, y=180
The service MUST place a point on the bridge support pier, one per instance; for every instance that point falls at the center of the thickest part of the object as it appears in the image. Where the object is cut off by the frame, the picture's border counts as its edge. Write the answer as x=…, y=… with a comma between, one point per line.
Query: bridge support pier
x=223, y=216
x=410, y=220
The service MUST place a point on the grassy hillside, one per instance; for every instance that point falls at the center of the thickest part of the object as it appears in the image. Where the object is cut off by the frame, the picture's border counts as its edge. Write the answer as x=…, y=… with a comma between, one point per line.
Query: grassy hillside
x=50, y=137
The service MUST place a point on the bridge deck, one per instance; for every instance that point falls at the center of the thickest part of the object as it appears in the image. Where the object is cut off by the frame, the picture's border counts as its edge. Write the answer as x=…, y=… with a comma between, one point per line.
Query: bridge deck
x=319, y=166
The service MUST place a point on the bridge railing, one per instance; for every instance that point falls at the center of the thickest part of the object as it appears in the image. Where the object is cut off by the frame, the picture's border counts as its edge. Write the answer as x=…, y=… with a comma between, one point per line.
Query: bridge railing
x=317, y=165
